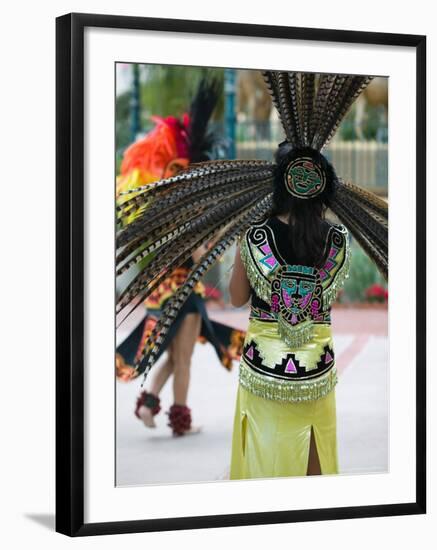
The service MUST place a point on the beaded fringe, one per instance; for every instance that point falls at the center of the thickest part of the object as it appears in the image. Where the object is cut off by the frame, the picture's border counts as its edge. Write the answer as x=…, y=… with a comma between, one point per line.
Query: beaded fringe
x=286, y=390
x=257, y=282
x=295, y=337
x=330, y=293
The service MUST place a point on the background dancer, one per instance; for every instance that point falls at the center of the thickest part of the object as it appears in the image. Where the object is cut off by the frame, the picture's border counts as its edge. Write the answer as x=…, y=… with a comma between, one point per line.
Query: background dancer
x=162, y=153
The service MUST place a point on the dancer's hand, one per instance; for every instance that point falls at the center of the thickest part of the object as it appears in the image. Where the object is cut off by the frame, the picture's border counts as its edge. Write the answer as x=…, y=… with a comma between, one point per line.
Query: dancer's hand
x=199, y=252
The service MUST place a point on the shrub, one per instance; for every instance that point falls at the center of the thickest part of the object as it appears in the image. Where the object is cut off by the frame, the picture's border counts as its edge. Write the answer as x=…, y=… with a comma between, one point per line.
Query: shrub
x=365, y=283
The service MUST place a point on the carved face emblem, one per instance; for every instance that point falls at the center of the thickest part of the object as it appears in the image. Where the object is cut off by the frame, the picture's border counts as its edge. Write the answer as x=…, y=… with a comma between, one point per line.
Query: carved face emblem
x=304, y=179
x=295, y=292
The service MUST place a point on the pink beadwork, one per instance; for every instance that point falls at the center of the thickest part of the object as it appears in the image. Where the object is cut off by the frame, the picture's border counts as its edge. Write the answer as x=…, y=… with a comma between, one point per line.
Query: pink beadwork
x=291, y=367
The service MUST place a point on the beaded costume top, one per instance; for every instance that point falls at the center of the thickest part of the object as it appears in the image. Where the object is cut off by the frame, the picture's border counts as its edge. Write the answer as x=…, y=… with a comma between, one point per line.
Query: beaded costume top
x=288, y=353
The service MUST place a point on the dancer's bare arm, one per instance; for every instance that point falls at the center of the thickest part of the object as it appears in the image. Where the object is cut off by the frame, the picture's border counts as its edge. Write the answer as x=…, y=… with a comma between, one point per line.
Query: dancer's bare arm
x=239, y=287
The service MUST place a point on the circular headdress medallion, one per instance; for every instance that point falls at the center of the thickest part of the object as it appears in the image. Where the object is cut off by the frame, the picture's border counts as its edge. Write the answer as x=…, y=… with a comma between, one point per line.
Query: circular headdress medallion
x=304, y=178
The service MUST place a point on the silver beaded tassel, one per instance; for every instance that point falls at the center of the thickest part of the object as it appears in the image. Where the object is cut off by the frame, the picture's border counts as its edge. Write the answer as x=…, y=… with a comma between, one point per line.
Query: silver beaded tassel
x=330, y=294
x=261, y=286
x=295, y=337
x=287, y=390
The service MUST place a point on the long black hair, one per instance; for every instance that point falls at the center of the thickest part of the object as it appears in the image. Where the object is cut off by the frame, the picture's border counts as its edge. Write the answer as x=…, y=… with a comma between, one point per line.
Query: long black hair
x=307, y=228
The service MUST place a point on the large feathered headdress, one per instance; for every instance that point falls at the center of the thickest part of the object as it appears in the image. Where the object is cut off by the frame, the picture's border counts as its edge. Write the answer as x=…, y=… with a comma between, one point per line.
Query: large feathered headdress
x=216, y=201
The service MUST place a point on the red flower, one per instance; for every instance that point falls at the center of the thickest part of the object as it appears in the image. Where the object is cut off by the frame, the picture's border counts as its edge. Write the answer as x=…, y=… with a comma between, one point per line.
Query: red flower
x=376, y=293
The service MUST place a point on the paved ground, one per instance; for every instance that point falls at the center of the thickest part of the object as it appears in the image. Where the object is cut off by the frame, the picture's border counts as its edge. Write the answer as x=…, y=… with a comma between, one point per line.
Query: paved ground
x=147, y=456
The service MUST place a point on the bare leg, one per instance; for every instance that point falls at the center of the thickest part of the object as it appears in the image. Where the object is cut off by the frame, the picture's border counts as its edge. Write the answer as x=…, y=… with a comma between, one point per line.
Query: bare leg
x=313, y=459
x=163, y=373
x=181, y=352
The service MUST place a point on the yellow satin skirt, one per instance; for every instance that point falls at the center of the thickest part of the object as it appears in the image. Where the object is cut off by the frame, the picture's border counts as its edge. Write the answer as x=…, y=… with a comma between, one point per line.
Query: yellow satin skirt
x=272, y=438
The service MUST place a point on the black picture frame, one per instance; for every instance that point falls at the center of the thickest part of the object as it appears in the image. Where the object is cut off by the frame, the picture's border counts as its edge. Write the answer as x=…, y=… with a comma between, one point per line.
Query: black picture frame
x=70, y=273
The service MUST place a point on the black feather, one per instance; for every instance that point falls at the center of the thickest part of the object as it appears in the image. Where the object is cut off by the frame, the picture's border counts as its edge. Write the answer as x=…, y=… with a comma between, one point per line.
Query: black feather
x=200, y=140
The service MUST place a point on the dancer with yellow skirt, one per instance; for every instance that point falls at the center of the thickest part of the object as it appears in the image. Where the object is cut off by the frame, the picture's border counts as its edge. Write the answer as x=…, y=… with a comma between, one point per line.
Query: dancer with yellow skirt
x=290, y=266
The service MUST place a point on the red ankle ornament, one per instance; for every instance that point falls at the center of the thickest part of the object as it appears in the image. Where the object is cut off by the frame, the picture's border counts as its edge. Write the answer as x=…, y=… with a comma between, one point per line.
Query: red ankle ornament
x=149, y=400
x=179, y=419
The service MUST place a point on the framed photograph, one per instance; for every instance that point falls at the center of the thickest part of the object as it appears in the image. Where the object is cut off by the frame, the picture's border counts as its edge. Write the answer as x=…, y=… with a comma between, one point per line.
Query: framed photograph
x=240, y=274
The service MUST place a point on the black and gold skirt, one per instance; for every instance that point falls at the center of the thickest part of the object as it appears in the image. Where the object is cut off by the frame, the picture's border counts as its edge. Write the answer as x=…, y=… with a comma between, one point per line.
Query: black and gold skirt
x=227, y=341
